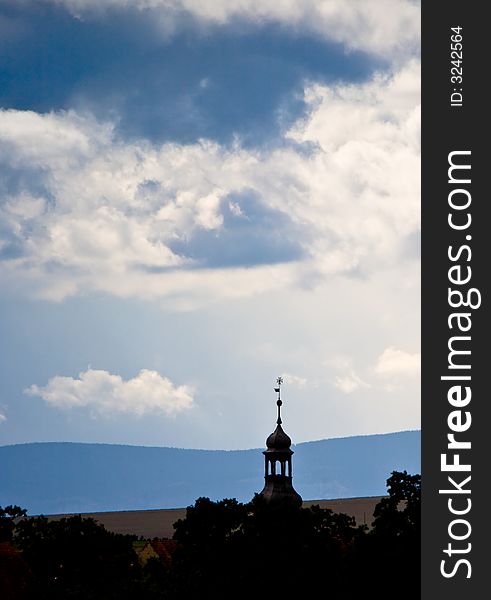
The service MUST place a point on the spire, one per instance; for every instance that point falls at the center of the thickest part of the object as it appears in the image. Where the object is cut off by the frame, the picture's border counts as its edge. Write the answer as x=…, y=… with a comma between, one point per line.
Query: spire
x=278, y=486
x=279, y=381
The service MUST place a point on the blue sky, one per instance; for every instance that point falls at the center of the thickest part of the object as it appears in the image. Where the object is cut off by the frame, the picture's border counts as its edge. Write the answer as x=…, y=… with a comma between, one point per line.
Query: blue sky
x=196, y=198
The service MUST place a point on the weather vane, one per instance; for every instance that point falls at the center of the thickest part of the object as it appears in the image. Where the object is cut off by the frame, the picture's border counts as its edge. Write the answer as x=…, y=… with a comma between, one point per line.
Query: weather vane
x=279, y=381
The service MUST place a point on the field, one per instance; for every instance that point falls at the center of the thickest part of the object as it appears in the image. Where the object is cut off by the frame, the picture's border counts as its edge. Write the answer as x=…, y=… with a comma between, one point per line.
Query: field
x=158, y=523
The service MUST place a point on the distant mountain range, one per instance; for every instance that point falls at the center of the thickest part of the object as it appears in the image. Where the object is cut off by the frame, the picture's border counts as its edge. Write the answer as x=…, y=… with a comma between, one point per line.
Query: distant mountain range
x=56, y=477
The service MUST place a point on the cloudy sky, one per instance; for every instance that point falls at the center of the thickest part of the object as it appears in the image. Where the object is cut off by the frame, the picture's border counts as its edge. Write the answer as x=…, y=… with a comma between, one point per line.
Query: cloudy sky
x=197, y=197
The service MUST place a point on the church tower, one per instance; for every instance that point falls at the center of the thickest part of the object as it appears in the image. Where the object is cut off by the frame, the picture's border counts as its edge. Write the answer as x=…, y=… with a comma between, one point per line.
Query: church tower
x=278, y=487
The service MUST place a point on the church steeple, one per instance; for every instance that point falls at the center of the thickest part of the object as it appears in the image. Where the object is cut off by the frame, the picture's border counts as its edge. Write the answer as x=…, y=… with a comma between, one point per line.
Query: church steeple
x=278, y=487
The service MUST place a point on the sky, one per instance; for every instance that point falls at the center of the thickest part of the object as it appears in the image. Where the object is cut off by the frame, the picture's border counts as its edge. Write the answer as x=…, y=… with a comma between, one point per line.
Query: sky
x=199, y=197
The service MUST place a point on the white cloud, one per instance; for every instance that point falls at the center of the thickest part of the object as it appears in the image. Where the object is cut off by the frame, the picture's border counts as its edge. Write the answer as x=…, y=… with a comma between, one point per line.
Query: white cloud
x=294, y=380
x=392, y=368
x=98, y=213
x=394, y=363
x=350, y=383
x=2, y=417
x=105, y=393
x=381, y=27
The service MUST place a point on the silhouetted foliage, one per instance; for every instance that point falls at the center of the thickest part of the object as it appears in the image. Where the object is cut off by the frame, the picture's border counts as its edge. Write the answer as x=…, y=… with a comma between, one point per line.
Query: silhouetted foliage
x=229, y=549
x=156, y=580
x=400, y=513
x=228, y=544
x=77, y=558
x=8, y=515
x=388, y=558
x=15, y=575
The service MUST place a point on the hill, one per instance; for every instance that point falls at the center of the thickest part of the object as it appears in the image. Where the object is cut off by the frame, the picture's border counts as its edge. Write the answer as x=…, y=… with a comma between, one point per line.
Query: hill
x=57, y=477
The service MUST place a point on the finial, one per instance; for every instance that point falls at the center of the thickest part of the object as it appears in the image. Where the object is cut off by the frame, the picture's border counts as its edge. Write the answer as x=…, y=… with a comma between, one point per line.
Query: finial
x=279, y=381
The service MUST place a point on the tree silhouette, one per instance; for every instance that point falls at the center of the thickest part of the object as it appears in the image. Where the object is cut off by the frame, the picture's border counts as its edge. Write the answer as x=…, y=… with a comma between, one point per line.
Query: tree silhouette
x=388, y=559
x=77, y=558
x=228, y=548
x=15, y=575
x=227, y=545
x=8, y=516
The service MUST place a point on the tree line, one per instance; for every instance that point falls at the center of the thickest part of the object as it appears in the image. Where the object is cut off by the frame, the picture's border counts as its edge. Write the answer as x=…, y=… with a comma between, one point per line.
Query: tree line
x=223, y=549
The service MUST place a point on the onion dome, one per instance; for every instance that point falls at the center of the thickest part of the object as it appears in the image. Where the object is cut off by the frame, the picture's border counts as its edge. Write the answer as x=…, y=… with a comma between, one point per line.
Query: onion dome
x=278, y=440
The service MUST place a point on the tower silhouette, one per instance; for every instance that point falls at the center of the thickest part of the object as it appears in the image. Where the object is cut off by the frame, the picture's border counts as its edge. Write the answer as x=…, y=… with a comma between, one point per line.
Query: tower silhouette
x=278, y=487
